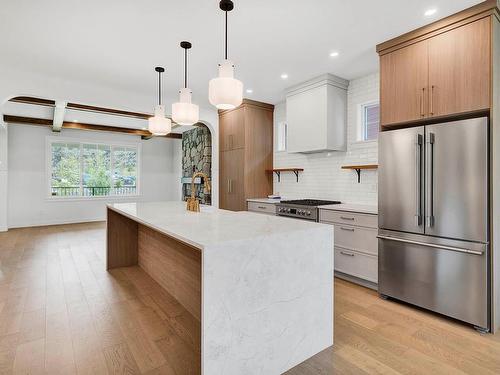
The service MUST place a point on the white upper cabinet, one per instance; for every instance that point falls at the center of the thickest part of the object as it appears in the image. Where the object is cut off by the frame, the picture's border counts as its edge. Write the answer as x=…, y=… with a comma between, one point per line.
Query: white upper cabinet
x=316, y=114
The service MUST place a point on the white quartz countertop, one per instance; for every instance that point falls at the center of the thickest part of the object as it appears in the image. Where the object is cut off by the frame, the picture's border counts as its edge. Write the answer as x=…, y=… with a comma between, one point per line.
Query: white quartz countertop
x=264, y=200
x=210, y=226
x=352, y=207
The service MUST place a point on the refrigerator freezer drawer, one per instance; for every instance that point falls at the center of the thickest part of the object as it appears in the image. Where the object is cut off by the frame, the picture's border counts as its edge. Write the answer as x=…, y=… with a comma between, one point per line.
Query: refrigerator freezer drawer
x=446, y=281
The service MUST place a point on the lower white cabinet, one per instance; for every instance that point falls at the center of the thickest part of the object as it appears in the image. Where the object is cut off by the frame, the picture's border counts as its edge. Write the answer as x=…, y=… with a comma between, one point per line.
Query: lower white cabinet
x=356, y=244
x=263, y=208
x=356, y=264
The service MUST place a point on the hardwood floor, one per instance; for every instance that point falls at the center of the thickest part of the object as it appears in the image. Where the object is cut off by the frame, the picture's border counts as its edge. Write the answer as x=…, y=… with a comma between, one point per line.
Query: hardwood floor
x=62, y=313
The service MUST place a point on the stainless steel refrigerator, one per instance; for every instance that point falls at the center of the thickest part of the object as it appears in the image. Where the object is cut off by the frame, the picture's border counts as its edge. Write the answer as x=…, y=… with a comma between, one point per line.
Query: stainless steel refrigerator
x=434, y=218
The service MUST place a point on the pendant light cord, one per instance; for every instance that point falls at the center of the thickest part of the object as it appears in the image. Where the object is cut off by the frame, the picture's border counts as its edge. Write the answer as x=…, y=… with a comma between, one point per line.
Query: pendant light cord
x=226, y=37
x=159, y=88
x=185, y=68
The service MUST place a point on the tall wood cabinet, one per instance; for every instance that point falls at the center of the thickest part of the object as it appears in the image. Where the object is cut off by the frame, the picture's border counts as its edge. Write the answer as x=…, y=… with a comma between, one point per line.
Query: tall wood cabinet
x=245, y=154
x=442, y=73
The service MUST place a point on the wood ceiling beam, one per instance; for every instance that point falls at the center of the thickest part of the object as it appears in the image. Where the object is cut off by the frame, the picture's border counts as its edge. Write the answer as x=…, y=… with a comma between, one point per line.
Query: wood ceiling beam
x=81, y=107
x=144, y=134
x=89, y=108
x=85, y=108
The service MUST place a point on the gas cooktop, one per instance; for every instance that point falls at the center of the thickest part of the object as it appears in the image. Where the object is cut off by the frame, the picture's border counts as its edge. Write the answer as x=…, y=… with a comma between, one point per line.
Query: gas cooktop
x=309, y=202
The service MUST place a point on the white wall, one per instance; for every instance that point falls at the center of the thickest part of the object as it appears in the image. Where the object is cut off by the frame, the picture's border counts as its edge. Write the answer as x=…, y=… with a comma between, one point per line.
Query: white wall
x=323, y=176
x=28, y=203
x=16, y=82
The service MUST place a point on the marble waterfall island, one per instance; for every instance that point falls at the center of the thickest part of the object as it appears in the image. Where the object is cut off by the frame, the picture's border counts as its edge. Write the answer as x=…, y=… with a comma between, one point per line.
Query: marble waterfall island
x=260, y=286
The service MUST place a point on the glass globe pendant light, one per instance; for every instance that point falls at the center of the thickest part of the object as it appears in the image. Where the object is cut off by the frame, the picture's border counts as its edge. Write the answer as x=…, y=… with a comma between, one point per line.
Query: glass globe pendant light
x=184, y=112
x=225, y=92
x=159, y=124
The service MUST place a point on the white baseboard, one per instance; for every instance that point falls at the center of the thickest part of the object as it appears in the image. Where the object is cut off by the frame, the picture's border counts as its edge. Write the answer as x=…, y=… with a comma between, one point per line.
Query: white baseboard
x=54, y=222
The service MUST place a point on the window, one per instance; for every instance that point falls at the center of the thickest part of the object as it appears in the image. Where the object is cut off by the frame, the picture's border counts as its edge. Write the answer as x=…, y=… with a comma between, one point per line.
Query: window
x=370, y=118
x=281, y=136
x=92, y=170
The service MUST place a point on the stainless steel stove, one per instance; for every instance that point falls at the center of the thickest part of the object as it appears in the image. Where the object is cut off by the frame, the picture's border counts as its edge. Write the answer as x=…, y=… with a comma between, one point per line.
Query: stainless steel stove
x=306, y=209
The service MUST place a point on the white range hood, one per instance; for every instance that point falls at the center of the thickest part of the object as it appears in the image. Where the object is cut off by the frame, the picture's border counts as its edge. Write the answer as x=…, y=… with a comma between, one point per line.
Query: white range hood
x=316, y=114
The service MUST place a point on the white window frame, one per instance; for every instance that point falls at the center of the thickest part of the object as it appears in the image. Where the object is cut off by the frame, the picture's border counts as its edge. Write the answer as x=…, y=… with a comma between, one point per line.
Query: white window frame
x=81, y=141
x=281, y=136
x=361, y=122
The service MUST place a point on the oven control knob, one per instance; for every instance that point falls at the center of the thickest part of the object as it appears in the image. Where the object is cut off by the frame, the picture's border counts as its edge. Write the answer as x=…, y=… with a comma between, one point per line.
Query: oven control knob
x=308, y=213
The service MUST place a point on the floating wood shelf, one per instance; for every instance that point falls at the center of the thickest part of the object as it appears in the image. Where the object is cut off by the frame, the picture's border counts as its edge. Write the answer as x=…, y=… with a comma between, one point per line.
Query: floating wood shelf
x=279, y=170
x=358, y=168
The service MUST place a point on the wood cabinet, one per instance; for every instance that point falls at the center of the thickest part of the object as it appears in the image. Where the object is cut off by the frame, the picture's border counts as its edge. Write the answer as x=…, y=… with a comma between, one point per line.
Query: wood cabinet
x=459, y=69
x=246, y=152
x=403, y=81
x=232, y=130
x=444, y=73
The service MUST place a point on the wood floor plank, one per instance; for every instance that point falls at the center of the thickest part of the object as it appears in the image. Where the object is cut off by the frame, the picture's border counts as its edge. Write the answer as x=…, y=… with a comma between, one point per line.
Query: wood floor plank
x=365, y=362
x=33, y=325
x=59, y=357
x=144, y=350
x=30, y=358
x=180, y=355
x=120, y=361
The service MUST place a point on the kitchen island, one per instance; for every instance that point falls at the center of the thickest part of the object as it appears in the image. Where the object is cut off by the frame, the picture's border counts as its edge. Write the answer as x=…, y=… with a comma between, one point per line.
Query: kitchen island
x=260, y=286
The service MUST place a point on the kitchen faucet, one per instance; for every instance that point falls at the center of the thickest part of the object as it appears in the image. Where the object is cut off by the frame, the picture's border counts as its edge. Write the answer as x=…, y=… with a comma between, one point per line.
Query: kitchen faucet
x=193, y=203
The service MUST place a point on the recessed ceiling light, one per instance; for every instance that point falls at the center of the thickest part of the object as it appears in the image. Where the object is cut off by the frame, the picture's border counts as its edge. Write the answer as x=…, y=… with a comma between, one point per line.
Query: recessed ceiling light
x=334, y=54
x=430, y=12
x=284, y=76
x=249, y=91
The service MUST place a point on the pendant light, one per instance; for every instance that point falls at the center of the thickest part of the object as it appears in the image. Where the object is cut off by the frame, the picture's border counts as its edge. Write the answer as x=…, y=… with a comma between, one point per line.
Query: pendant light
x=184, y=112
x=159, y=124
x=225, y=92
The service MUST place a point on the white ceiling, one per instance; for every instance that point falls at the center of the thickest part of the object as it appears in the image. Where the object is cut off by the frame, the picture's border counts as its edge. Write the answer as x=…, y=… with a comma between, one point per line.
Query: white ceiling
x=118, y=42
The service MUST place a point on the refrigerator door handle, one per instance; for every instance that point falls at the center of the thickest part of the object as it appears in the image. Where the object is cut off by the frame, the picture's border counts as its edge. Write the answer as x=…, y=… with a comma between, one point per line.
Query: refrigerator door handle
x=418, y=180
x=430, y=181
x=452, y=248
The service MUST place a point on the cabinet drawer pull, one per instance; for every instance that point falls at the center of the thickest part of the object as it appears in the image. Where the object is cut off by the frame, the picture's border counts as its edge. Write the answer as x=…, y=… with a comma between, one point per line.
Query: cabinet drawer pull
x=262, y=207
x=422, y=99
x=347, y=254
x=347, y=218
x=347, y=229
x=432, y=100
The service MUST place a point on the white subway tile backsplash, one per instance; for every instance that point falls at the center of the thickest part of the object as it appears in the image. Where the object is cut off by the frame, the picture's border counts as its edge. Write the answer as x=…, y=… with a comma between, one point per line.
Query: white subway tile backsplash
x=322, y=176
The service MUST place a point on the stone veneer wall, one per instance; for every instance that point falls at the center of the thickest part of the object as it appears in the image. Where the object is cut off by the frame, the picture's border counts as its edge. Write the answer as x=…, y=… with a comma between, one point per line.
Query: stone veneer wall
x=197, y=157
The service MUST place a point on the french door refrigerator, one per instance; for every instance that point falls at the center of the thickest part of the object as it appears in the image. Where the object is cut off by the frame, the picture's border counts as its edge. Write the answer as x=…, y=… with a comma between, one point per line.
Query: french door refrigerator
x=433, y=218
